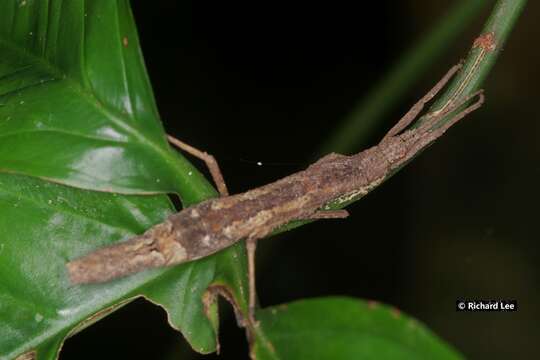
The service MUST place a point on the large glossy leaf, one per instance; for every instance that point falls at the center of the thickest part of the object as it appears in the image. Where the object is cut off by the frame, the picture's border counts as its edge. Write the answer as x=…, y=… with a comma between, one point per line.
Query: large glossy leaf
x=344, y=328
x=76, y=106
x=43, y=225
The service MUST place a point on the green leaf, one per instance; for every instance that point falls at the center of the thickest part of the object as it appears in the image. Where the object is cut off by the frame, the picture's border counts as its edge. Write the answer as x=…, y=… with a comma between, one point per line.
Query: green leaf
x=344, y=328
x=76, y=106
x=43, y=225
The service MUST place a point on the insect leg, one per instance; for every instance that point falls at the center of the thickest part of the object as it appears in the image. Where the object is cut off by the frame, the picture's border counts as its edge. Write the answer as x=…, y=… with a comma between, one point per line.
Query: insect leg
x=408, y=118
x=328, y=214
x=428, y=135
x=251, y=246
x=431, y=122
x=210, y=161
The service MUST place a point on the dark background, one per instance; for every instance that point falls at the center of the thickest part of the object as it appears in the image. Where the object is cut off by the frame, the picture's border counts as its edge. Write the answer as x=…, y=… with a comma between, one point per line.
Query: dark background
x=268, y=81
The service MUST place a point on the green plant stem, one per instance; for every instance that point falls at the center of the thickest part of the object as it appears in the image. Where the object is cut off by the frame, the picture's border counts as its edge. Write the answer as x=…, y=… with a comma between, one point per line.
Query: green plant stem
x=359, y=125
x=477, y=65
x=500, y=23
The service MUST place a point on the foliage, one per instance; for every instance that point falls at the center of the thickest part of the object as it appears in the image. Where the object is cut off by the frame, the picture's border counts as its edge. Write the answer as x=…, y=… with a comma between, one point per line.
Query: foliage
x=85, y=163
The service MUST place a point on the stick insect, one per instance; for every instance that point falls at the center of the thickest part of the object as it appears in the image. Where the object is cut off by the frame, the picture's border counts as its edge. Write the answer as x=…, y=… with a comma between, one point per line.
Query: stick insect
x=210, y=226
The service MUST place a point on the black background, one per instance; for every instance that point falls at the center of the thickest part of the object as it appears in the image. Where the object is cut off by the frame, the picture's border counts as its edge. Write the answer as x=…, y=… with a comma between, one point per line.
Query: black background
x=269, y=81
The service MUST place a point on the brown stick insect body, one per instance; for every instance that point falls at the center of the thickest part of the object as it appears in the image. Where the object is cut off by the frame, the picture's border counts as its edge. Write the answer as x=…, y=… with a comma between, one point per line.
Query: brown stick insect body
x=215, y=224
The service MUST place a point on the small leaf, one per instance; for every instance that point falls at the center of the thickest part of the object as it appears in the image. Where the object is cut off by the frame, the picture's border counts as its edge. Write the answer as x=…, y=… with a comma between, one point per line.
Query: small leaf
x=343, y=328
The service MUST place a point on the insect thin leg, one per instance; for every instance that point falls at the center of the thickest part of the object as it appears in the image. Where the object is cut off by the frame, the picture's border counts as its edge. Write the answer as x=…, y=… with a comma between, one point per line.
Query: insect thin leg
x=251, y=246
x=439, y=131
x=209, y=160
x=408, y=118
x=427, y=135
x=328, y=214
